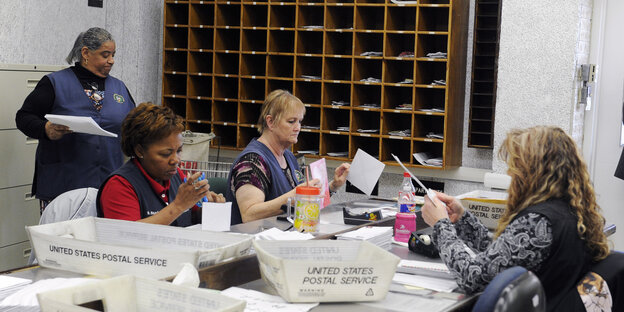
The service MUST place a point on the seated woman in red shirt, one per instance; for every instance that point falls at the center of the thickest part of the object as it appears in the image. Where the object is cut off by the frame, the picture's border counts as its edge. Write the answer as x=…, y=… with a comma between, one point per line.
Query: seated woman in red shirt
x=150, y=187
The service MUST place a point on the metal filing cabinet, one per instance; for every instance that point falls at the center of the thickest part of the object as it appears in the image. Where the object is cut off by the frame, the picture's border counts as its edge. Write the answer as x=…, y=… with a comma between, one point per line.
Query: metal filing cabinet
x=17, y=162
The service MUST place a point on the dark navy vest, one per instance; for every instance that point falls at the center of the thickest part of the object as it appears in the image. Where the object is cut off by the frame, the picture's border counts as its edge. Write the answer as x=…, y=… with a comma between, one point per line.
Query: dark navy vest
x=150, y=203
x=279, y=182
x=80, y=160
x=569, y=258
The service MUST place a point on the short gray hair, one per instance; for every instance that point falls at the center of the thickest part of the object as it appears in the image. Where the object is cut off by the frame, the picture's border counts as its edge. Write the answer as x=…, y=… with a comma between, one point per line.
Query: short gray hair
x=92, y=39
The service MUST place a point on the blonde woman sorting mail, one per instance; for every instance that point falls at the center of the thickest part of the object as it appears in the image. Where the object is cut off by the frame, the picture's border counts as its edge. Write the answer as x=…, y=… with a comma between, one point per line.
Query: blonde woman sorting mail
x=266, y=173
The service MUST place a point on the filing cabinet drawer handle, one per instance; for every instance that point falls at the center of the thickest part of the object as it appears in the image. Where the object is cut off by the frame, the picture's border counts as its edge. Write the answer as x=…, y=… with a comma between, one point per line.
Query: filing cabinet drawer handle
x=31, y=83
x=28, y=196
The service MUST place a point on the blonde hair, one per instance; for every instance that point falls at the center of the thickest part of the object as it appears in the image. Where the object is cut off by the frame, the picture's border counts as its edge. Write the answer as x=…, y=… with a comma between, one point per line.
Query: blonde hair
x=276, y=104
x=544, y=163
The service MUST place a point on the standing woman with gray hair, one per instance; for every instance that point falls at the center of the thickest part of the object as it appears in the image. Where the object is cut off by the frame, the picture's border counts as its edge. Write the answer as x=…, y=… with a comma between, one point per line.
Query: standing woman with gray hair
x=66, y=160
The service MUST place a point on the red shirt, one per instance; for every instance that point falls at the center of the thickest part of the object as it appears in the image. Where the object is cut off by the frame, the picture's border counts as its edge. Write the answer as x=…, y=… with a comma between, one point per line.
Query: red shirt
x=120, y=201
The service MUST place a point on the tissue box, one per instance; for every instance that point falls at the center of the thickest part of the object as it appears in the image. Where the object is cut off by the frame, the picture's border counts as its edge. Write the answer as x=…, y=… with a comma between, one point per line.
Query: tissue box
x=326, y=270
x=131, y=293
x=115, y=247
x=488, y=206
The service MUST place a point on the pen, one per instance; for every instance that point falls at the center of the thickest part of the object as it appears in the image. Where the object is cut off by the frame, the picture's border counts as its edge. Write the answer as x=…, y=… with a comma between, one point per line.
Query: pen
x=205, y=198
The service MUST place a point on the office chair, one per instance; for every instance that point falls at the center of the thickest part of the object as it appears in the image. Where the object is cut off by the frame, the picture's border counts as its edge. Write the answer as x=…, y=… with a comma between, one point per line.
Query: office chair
x=512, y=290
x=74, y=204
x=218, y=184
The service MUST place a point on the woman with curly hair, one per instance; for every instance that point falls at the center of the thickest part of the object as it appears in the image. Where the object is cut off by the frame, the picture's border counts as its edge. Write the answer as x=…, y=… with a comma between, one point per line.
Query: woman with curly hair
x=552, y=225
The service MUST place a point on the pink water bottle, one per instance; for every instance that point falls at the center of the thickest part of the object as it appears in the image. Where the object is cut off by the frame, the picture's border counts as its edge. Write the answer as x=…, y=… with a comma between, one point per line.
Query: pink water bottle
x=404, y=225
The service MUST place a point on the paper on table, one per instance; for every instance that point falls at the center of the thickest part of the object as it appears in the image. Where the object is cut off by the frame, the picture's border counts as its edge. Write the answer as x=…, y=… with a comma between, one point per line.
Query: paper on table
x=261, y=302
x=216, y=216
x=396, y=301
x=433, y=283
x=79, y=124
x=365, y=171
x=277, y=234
x=318, y=170
x=27, y=296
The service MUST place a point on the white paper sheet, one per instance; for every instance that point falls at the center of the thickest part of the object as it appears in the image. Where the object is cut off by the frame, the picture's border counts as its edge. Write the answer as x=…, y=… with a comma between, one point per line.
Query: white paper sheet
x=27, y=296
x=261, y=302
x=433, y=283
x=10, y=285
x=79, y=124
x=216, y=216
x=318, y=170
x=365, y=171
x=277, y=234
x=399, y=302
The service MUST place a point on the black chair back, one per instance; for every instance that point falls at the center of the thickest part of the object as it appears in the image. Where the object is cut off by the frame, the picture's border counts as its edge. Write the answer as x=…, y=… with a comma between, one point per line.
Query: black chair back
x=512, y=290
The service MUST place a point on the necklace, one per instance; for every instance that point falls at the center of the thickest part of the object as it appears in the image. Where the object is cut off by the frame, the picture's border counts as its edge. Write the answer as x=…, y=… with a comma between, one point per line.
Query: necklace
x=94, y=94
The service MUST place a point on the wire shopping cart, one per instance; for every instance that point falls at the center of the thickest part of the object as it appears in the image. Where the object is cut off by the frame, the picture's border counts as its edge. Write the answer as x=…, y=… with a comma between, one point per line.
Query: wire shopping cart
x=212, y=169
x=196, y=156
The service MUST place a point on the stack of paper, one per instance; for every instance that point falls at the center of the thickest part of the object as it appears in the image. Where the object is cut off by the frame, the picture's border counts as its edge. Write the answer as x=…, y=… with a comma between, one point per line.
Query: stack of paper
x=277, y=234
x=433, y=135
x=258, y=301
x=311, y=152
x=427, y=159
x=433, y=283
x=9, y=285
x=79, y=124
x=431, y=110
x=25, y=299
x=433, y=269
x=378, y=235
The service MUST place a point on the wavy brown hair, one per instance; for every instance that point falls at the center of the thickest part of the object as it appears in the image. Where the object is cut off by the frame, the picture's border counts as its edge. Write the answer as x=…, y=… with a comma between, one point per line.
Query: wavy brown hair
x=544, y=163
x=146, y=124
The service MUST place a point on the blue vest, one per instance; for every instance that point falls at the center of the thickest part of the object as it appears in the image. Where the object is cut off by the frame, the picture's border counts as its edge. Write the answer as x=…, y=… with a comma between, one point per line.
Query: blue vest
x=80, y=160
x=279, y=184
x=149, y=202
x=569, y=258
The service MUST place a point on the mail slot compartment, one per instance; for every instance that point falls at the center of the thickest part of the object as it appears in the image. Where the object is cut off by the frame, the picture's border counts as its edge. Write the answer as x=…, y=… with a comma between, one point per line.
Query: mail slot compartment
x=19, y=154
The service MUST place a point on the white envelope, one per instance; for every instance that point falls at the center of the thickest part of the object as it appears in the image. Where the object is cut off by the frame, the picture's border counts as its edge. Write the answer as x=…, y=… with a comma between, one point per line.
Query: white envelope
x=216, y=216
x=365, y=171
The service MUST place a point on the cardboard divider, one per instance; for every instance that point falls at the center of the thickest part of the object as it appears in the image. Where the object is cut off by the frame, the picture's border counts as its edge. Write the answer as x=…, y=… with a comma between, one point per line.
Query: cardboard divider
x=326, y=270
x=131, y=293
x=114, y=247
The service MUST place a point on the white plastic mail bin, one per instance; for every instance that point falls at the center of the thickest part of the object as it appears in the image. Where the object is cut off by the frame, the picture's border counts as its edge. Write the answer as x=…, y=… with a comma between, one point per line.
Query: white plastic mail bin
x=135, y=294
x=326, y=270
x=115, y=247
x=487, y=206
